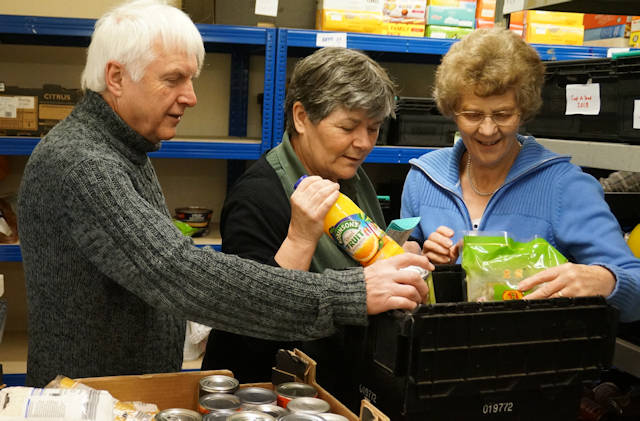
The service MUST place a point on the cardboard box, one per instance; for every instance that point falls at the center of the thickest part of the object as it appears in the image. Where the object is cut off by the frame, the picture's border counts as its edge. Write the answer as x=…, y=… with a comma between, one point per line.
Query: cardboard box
x=404, y=18
x=598, y=21
x=554, y=18
x=482, y=23
x=180, y=390
x=634, y=39
x=350, y=15
x=544, y=33
x=621, y=42
x=54, y=104
x=447, y=32
x=463, y=16
x=486, y=10
x=450, y=3
x=18, y=111
x=605, y=32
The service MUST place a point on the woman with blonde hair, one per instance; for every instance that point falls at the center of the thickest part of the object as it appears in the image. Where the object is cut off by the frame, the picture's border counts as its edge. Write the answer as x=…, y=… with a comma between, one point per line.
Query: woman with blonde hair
x=495, y=179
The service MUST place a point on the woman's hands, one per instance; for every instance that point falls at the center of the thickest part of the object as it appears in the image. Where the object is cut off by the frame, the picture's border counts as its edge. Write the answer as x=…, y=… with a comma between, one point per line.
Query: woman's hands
x=570, y=280
x=310, y=203
x=439, y=247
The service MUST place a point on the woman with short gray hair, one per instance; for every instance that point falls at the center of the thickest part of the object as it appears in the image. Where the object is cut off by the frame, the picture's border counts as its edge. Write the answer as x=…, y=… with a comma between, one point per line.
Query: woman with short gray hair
x=336, y=101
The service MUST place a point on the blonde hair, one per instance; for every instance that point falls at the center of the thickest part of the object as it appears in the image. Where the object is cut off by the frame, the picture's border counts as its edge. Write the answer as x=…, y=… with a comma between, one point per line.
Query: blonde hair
x=129, y=33
x=489, y=62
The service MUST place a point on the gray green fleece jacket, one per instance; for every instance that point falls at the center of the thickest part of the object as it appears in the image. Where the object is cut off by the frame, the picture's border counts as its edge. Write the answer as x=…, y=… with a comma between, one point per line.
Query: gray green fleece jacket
x=110, y=280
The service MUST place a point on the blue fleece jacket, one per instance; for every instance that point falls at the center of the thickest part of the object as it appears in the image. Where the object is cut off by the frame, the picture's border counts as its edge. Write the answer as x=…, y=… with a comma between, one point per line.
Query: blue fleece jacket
x=543, y=195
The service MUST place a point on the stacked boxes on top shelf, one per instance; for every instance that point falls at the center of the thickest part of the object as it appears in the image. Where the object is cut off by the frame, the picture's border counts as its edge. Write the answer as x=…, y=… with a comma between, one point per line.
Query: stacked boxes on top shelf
x=450, y=18
x=544, y=27
x=607, y=30
x=407, y=18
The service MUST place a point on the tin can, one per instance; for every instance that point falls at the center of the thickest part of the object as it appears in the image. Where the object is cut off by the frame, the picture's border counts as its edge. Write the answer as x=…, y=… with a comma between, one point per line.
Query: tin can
x=273, y=410
x=178, y=414
x=251, y=416
x=256, y=396
x=195, y=216
x=217, y=383
x=291, y=390
x=308, y=405
x=333, y=417
x=216, y=416
x=216, y=402
x=301, y=416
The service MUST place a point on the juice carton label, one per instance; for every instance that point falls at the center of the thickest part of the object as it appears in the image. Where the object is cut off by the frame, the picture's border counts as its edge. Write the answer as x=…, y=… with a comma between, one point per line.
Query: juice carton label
x=358, y=235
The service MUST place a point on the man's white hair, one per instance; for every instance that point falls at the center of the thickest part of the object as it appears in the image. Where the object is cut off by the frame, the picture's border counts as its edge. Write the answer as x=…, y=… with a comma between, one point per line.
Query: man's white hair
x=128, y=35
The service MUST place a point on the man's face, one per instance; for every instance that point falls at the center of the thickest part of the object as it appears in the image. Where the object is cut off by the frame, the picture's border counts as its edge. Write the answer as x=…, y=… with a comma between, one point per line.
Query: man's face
x=154, y=105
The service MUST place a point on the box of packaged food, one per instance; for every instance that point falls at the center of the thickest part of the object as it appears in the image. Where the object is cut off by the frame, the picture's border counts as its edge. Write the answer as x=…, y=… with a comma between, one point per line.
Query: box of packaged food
x=598, y=21
x=634, y=39
x=182, y=390
x=464, y=16
x=486, y=10
x=350, y=15
x=404, y=18
x=18, y=111
x=545, y=33
x=447, y=32
x=605, y=32
x=451, y=3
x=554, y=18
x=54, y=104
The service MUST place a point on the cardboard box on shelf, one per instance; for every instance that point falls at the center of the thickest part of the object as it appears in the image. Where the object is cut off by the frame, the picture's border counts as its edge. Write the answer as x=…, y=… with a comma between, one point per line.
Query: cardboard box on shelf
x=620, y=42
x=180, y=390
x=54, y=104
x=554, y=18
x=18, y=111
x=634, y=39
x=350, y=15
x=486, y=10
x=463, y=16
x=617, y=31
x=451, y=3
x=483, y=23
x=598, y=21
x=447, y=32
x=404, y=18
x=544, y=33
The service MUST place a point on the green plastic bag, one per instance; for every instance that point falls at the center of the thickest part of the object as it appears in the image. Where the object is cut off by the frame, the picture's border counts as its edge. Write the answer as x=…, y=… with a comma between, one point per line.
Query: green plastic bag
x=495, y=264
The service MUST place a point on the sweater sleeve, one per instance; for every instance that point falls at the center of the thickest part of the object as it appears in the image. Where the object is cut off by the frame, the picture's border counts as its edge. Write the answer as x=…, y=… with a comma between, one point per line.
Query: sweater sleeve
x=584, y=225
x=135, y=245
x=255, y=216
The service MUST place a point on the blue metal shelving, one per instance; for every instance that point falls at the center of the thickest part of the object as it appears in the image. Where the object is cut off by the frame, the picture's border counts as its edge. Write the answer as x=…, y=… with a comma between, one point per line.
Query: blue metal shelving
x=306, y=39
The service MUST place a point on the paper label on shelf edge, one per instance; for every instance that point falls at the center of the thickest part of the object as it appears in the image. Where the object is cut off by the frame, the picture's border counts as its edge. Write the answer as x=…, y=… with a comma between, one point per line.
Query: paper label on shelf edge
x=267, y=7
x=332, y=39
x=583, y=99
x=511, y=6
x=611, y=51
x=636, y=113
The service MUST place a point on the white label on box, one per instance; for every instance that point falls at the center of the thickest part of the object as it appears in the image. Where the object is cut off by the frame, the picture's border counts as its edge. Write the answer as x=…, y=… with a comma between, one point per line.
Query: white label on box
x=511, y=6
x=583, y=99
x=8, y=106
x=26, y=102
x=267, y=7
x=1, y=86
x=333, y=39
x=636, y=114
x=1, y=285
x=487, y=13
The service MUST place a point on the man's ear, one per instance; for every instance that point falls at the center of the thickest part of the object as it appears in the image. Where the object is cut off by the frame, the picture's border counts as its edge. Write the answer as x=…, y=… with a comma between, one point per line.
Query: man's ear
x=114, y=75
x=300, y=117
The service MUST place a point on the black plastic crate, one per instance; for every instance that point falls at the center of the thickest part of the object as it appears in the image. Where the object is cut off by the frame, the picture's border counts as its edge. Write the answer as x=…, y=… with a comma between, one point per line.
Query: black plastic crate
x=627, y=71
x=551, y=121
x=449, y=283
x=516, y=360
x=419, y=123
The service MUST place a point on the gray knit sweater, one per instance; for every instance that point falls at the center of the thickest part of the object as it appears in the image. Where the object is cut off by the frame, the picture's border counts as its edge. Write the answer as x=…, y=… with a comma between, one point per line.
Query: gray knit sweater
x=110, y=281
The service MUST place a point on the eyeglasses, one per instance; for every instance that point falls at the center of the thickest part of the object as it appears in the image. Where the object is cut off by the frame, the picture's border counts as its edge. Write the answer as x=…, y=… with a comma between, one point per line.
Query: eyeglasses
x=500, y=118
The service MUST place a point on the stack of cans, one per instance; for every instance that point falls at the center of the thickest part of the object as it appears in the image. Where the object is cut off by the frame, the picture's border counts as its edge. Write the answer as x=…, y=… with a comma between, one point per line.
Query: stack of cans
x=220, y=398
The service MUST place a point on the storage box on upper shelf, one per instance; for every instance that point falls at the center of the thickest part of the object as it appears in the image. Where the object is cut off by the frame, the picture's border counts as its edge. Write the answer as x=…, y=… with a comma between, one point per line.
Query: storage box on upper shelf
x=419, y=123
x=618, y=88
x=517, y=360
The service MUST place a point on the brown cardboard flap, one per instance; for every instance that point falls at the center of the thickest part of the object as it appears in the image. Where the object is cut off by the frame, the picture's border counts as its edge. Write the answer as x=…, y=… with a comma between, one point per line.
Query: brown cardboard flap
x=293, y=366
x=167, y=390
x=368, y=412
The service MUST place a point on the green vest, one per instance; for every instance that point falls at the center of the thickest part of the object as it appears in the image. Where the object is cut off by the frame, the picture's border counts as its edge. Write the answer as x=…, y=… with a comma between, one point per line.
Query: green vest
x=328, y=255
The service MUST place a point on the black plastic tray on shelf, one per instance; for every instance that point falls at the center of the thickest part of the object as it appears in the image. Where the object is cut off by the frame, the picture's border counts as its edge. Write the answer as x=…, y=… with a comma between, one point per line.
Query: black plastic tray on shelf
x=516, y=360
x=551, y=121
x=419, y=123
x=628, y=73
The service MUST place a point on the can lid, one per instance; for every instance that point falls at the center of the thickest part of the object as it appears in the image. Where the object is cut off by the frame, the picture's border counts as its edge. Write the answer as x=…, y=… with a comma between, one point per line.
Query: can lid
x=301, y=416
x=178, y=414
x=217, y=401
x=216, y=416
x=271, y=409
x=219, y=383
x=308, y=405
x=296, y=389
x=256, y=395
x=251, y=416
x=333, y=417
